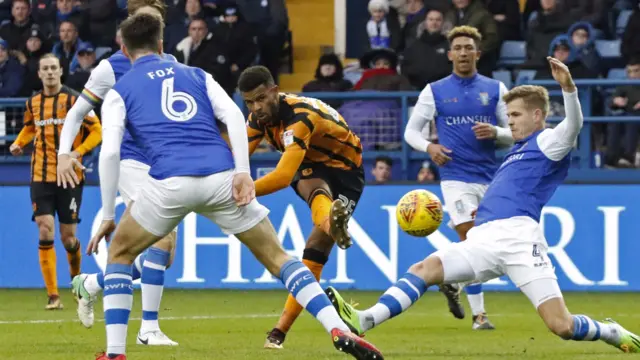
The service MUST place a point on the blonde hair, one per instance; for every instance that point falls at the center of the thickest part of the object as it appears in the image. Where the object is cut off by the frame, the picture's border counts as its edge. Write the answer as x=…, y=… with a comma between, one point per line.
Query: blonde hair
x=134, y=5
x=48, y=56
x=465, y=31
x=534, y=97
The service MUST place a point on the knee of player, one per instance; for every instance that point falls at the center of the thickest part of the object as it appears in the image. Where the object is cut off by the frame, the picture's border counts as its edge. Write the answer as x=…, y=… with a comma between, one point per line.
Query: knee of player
x=45, y=227
x=561, y=326
x=69, y=241
x=429, y=269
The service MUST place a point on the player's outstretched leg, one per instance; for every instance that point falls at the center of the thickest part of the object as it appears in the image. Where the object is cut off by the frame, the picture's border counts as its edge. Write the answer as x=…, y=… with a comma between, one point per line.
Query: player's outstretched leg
x=545, y=295
x=263, y=243
x=152, y=285
x=475, y=296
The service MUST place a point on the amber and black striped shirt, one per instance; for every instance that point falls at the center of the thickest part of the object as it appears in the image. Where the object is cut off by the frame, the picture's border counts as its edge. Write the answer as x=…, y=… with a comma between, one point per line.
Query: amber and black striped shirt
x=313, y=126
x=43, y=120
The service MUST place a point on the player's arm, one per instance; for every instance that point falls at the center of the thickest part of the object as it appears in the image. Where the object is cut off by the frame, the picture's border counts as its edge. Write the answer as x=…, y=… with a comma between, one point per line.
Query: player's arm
x=101, y=81
x=113, y=124
x=92, y=125
x=423, y=113
x=503, y=132
x=228, y=113
x=558, y=142
x=26, y=135
x=296, y=142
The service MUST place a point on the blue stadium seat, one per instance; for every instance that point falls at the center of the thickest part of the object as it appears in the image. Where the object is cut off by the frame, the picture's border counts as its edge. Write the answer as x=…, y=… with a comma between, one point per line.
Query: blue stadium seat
x=621, y=22
x=504, y=76
x=525, y=75
x=513, y=53
x=608, y=48
x=617, y=74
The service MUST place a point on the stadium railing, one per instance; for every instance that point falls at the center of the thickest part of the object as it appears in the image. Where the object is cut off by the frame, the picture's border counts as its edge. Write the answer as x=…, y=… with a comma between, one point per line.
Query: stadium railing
x=584, y=168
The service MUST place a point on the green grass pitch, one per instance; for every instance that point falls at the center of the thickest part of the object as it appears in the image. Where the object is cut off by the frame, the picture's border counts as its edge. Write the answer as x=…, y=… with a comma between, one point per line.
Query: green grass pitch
x=232, y=325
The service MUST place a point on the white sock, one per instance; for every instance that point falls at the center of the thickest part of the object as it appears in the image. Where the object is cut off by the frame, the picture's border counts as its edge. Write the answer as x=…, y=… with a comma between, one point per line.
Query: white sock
x=587, y=329
x=475, y=296
x=92, y=285
x=152, y=284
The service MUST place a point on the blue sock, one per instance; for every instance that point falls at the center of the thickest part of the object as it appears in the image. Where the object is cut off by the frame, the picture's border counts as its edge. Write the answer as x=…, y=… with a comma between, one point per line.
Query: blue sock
x=475, y=298
x=303, y=286
x=586, y=329
x=118, y=298
x=100, y=277
x=152, y=279
x=398, y=298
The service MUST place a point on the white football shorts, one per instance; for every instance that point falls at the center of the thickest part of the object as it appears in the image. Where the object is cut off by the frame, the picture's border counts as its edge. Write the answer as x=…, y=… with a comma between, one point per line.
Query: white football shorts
x=133, y=176
x=515, y=247
x=160, y=205
x=461, y=199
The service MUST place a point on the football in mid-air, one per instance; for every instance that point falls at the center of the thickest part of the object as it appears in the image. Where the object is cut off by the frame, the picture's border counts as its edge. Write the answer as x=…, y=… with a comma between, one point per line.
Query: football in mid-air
x=419, y=213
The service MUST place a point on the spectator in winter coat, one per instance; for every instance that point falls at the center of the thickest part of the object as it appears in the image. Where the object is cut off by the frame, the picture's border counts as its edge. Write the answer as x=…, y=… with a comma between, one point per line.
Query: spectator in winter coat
x=66, y=12
x=30, y=52
x=582, y=37
x=549, y=23
x=592, y=11
x=66, y=48
x=14, y=31
x=198, y=49
x=507, y=15
x=432, y=44
x=416, y=11
x=329, y=77
x=86, y=61
x=236, y=48
x=11, y=73
x=383, y=28
x=630, y=46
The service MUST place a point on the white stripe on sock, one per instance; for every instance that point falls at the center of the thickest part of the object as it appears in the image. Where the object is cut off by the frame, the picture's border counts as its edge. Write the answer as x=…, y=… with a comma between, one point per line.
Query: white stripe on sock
x=592, y=329
x=117, y=335
x=400, y=296
x=151, y=295
x=117, y=301
x=287, y=281
x=116, y=276
x=307, y=293
x=411, y=286
x=155, y=266
x=330, y=319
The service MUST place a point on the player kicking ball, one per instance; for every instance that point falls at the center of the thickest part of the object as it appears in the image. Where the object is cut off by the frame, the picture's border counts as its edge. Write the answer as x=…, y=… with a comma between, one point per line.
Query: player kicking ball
x=150, y=266
x=321, y=161
x=171, y=110
x=507, y=238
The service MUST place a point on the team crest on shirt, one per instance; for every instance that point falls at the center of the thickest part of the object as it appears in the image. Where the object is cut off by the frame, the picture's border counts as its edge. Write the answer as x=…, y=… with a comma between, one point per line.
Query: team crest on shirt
x=484, y=98
x=287, y=138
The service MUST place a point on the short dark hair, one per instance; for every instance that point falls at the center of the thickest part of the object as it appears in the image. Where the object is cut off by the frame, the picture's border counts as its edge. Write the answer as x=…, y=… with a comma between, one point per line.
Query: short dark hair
x=254, y=76
x=385, y=159
x=142, y=31
x=634, y=60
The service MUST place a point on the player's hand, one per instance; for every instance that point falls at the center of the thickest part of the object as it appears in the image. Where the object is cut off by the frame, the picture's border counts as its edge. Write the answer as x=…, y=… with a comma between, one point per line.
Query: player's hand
x=561, y=74
x=15, y=149
x=620, y=101
x=66, y=172
x=484, y=131
x=438, y=154
x=244, y=190
x=104, y=231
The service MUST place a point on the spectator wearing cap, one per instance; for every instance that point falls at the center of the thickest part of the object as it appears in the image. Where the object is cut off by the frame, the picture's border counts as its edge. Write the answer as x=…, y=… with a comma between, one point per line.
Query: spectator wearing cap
x=236, y=47
x=81, y=67
x=380, y=72
x=270, y=22
x=474, y=13
x=582, y=37
x=66, y=48
x=329, y=77
x=15, y=30
x=11, y=72
x=432, y=44
x=383, y=28
x=35, y=45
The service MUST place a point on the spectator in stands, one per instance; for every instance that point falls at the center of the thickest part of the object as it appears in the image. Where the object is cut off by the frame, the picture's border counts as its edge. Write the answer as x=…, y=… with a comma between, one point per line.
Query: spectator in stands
x=79, y=75
x=432, y=44
x=177, y=30
x=582, y=37
x=66, y=48
x=626, y=101
x=15, y=30
x=102, y=27
x=236, y=46
x=329, y=77
x=473, y=13
x=549, y=23
x=380, y=72
x=507, y=15
x=11, y=72
x=592, y=11
x=416, y=11
x=30, y=52
x=427, y=173
x=42, y=11
x=198, y=49
x=270, y=21
x=630, y=46
x=67, y=12
x=383, y=28
x=382, y=169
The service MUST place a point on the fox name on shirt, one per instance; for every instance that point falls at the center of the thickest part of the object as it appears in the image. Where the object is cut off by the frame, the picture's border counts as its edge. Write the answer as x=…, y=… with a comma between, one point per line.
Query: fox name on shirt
x=171, y=118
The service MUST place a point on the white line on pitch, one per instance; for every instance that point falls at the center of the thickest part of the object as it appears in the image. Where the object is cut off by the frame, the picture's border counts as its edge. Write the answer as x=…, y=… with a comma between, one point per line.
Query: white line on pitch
x=203, y=317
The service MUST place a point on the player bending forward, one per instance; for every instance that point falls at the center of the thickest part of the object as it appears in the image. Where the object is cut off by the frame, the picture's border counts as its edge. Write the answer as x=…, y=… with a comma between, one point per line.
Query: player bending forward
x=321, y=160
x=507, y=237
x=171, y=110
x=150, y=266
x=471, y=119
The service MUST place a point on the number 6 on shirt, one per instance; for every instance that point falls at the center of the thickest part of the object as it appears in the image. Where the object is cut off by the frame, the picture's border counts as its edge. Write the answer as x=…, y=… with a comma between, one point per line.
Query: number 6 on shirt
x=169, y=97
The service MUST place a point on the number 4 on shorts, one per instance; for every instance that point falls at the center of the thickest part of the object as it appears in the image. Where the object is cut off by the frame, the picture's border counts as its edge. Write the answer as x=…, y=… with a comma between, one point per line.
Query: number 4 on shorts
x=73, y=206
